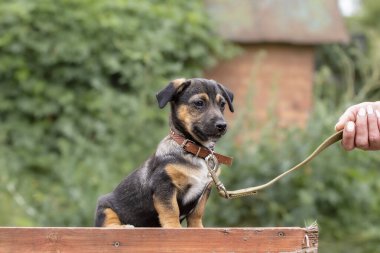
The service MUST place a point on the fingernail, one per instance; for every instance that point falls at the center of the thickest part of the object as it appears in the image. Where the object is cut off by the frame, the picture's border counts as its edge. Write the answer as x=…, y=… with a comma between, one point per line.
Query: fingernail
x=362, y=112
x=369, y=110
x=378, y=114
x=350, y=126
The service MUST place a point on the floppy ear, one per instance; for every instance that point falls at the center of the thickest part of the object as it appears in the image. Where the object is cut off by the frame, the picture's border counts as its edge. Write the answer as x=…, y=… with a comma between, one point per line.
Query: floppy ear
x=167, y=94
x=228, y=96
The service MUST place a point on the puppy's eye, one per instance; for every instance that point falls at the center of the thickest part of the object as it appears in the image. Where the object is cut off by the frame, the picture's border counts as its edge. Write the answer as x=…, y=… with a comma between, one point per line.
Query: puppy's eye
x=222, y=105
x=199, y=103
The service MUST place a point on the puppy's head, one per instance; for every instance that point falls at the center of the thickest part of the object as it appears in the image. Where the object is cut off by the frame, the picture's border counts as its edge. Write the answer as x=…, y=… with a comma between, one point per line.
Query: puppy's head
x=197, y=107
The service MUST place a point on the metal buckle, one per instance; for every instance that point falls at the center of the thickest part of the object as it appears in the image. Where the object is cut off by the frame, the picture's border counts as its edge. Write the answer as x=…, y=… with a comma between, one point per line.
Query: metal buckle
x=213, y=169
x=215, y=164
x=185, y=141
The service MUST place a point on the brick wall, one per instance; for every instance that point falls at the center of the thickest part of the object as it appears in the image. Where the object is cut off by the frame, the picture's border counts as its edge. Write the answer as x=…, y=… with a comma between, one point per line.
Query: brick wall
x=270, y=80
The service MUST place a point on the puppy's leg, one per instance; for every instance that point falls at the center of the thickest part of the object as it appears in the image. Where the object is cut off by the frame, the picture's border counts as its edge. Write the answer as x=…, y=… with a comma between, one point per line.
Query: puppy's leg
x=195, y=218
x=110, y=218
x=167, y=208
x=105, y=216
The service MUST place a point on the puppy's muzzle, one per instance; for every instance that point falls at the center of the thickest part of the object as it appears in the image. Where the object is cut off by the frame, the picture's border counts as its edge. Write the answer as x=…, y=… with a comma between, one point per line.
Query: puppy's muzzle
x=221, y=126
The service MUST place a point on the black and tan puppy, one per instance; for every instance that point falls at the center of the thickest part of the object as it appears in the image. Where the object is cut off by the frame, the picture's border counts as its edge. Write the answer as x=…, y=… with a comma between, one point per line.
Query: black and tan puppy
x=173, y=184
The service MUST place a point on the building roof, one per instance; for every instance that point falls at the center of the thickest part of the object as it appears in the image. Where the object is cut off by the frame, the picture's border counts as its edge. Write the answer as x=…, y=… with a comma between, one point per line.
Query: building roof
x=287, y=21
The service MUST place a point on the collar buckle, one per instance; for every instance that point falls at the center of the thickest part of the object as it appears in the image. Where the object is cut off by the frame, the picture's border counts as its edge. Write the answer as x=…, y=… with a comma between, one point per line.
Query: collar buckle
x=185, y=141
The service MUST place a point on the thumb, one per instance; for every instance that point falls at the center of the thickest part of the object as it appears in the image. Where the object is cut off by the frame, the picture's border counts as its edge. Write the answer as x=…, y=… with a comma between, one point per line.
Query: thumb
x=340, y=125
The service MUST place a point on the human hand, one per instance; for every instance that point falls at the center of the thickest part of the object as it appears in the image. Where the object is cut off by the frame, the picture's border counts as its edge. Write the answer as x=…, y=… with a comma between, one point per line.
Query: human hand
x=361, y=124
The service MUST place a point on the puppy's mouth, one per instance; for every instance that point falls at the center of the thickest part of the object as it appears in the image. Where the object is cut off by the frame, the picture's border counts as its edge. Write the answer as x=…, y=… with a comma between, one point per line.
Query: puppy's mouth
x=210, y=144
x=215, y=137
x=207, y=139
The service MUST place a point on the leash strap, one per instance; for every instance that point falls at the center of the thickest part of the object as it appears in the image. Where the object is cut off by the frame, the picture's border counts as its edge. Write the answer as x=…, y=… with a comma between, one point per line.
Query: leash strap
x=212, y=164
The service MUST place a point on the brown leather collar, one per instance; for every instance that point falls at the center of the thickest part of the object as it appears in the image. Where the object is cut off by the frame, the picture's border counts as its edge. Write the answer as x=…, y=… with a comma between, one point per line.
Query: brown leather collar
x=199, y=151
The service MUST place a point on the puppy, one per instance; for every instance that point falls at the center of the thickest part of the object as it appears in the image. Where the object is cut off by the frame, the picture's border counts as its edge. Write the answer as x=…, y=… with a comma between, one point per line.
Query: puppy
x=174, y=183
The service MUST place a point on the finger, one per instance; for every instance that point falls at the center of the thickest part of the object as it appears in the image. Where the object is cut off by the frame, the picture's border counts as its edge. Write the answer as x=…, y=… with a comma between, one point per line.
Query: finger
x=361, y=137
x=373, y=129
x=340, y=124
x=348, y=141
x=348, y=115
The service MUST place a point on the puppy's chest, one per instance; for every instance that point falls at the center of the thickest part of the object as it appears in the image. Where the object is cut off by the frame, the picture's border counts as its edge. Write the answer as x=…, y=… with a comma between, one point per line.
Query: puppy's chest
x=197, y=182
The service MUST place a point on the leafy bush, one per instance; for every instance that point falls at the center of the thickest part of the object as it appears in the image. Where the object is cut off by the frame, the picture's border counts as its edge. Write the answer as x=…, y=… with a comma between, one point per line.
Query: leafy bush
x=77, y=106
x=77, y=113
x=338, y=189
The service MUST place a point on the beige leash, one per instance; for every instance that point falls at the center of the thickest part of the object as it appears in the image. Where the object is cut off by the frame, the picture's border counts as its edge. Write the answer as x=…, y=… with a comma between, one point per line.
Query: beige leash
x=213, y=165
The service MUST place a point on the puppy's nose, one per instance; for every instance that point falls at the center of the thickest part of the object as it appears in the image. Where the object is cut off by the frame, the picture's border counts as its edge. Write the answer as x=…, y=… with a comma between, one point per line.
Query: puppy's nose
x=221, y=126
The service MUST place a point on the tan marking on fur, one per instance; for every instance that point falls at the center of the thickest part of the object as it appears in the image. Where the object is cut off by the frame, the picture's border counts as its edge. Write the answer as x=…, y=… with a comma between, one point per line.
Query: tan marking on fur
x=111, y=219
x=188, y=115
x=184, y=116
x=179, y=175
x=178, y=82
x=168, y=213
x=202, y=96
x=185, y=113
x=195, y=218
x=219, y=98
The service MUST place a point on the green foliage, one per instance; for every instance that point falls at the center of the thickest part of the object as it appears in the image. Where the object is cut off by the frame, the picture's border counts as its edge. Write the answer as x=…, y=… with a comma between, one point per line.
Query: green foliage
x=77, y=105
x=339, y=189
x=350, y=73
x=77, y=114
x=369, y=14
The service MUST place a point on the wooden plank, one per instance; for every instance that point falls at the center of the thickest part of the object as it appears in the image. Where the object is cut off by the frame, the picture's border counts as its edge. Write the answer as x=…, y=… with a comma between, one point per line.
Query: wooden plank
x=106, y=240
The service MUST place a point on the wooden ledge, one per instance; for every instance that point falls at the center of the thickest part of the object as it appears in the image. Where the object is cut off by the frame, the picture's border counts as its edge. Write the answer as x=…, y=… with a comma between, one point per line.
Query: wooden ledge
x=73, y=240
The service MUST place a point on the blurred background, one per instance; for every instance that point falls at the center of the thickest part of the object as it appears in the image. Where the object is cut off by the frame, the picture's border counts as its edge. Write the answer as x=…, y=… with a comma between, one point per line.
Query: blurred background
x=78, y=80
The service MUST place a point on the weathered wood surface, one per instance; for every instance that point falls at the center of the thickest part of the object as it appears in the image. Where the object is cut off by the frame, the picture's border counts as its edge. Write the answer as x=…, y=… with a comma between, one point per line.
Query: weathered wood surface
x=73, y=240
